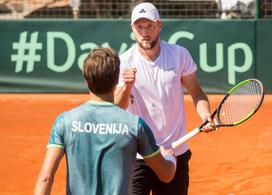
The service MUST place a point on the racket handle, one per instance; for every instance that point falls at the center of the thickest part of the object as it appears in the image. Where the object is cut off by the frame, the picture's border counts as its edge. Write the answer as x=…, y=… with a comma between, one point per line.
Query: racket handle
x=185, y=138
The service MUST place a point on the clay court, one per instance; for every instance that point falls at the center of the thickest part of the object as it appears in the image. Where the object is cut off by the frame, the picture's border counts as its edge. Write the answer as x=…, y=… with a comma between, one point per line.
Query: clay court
x=231, y=161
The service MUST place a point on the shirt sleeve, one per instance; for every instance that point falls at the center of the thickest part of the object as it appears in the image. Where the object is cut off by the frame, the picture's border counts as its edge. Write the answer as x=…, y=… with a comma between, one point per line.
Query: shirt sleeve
x=57, y=133
x=187, y=62
x=147, y=144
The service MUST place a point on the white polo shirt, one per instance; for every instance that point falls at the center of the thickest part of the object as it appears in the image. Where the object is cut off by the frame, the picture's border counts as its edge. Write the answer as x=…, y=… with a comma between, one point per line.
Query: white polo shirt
x=157, y=95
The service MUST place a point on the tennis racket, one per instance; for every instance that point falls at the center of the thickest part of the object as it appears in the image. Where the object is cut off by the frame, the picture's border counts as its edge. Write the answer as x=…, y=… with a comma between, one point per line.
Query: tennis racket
x=238, y=105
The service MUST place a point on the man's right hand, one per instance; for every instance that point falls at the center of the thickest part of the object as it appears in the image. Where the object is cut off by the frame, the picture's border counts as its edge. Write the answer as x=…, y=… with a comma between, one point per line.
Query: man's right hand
x=122, y=94
x=129, y=77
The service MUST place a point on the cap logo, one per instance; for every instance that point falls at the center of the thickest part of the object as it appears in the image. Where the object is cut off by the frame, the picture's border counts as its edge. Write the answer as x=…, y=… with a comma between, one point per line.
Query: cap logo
x=142, y=11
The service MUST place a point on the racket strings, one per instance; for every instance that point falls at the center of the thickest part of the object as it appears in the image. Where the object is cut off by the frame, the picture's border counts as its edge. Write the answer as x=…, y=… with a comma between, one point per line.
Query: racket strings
x=241, y=103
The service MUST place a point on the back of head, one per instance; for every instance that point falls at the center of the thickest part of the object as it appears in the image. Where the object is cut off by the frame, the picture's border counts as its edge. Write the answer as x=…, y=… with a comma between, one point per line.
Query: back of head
x=101, y=70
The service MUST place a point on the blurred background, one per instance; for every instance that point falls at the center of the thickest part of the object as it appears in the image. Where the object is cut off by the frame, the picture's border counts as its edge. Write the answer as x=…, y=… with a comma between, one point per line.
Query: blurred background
x=225, y=9
x=44, y=42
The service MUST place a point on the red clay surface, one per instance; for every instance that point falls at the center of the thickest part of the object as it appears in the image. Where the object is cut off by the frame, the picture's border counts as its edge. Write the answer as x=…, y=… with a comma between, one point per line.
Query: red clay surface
x=230, y=161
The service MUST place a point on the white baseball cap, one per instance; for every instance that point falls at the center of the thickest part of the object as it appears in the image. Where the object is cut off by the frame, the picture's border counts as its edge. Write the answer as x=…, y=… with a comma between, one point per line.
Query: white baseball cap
x=145, y=10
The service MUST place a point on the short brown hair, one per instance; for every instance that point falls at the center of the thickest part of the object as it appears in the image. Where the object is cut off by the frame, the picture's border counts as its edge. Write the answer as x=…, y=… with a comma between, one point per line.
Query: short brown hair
x=101, y=70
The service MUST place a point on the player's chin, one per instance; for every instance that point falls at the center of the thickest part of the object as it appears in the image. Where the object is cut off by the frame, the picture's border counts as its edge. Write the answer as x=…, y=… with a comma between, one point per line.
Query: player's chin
x=146, y=44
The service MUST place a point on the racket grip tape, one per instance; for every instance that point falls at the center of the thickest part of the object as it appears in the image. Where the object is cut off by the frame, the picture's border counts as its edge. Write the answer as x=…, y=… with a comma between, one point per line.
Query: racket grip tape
x=185, y=138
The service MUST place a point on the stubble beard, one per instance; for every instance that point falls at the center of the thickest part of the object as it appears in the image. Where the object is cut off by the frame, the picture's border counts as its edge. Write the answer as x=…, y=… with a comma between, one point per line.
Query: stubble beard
x=148, y=45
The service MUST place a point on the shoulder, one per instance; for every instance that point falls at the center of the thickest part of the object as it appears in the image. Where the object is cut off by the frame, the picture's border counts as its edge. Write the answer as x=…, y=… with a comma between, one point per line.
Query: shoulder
x=178, y=53
x=133, y=119
x=77, y=108
x=128, y=115
x=75, y=112
x=174, y=48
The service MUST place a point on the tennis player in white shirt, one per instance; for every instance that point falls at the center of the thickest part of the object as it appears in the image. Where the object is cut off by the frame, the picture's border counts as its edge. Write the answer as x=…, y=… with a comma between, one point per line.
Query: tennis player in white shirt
x=153, y=74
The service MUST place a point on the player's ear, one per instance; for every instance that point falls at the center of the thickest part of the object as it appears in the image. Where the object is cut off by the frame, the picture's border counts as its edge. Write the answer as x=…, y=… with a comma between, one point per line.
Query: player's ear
x=132, y=27
x=160, y=24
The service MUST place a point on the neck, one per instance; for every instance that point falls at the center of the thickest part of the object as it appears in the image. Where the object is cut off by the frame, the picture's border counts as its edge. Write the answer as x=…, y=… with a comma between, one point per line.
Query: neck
x=102, y=98
x=151, y=54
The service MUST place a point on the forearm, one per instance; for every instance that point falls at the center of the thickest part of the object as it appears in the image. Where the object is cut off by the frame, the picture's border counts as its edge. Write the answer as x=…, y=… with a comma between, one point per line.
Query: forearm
x=200, y=99
x=166, y=171
x=48, y=170
x=43, y=186
x=163, y=166
x=121, y=96
x=202, y=105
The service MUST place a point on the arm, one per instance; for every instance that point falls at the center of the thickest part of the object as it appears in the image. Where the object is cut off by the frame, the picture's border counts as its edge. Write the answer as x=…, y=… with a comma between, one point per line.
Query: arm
x=121, y=94
x=48, y=170
x=200, y=99
x=160, y=163
x=159, y=160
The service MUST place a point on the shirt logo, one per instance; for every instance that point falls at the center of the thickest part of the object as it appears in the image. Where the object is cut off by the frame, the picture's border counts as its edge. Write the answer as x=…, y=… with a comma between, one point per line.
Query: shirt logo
x=100, y=128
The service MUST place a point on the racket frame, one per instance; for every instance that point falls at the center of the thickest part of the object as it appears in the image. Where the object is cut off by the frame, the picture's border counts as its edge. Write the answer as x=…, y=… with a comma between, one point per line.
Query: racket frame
x=195, y=131
x=217, y=111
